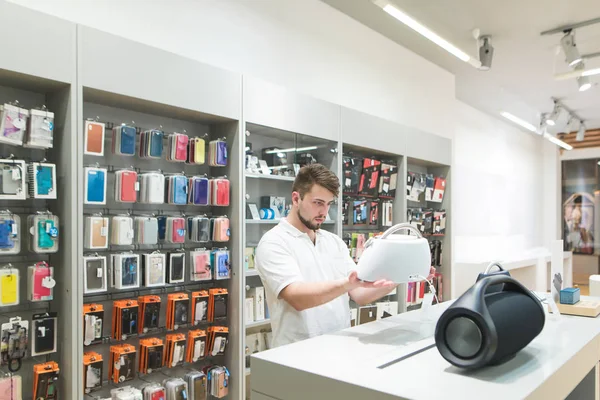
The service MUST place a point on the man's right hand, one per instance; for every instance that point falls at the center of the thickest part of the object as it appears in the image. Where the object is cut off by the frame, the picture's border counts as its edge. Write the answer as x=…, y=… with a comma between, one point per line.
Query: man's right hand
x=354, y=282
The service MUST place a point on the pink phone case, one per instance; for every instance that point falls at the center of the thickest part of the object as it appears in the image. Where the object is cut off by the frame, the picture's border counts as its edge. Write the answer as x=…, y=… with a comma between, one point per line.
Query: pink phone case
x=181, y=149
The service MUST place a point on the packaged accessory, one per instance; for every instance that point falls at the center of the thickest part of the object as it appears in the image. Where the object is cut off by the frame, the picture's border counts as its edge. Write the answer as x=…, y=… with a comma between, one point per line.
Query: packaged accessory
x=220, y=229
x=200, y=266
x=11, y=387
x=198, y=191
x=123, y=140
x=196, y=151
x=126, y=393
x=199, y=229
x=154, y=265
x=45, y=381
x=219, y=191
x=96, y=232
x=369, y=178
x=122, y=231
x=176, y=267
x=218, y=381
x=221, y=265
x=146, y=230
x=40, y=130
x=352, y=168
x=14, y=174
x=151, y=355
x=217, y=153
x=154, y=391
x=152, y=188
x=217, y=304
x=92, y=371
x=125, y=271
x=95, y=185
x=10, y=233
x=44, y=334
x=14, y=341
x=13, y=123
x=177, y=149
x=178, y=305
x=176, y=389
x=94, y=138
x=94, y=274
x=197, y=385
x=149, y=313
x=42, y=180
x=217, y=340
x=174, y=350
x=177, y=190
x=41, y=282
x=93, y=320
x=388, y=181
x=126, y=186
x=125, y=319
x=43, y=229
x=121, y=367
x=151, y=144
x=171, y=229
x=200, y=307
x=196, y=346
x=9, y=286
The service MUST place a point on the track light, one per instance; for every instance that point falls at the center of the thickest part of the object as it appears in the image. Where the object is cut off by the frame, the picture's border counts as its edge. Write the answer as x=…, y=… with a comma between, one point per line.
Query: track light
x=581, y=132
x=583, y=82
x=486, y=52
x=570, y=49
x=553, y=116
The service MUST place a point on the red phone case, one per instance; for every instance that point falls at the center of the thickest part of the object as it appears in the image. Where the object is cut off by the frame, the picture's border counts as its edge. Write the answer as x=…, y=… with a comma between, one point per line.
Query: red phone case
x=128, y=180
x=222, y=192
x=178, y=224
x=181, y=148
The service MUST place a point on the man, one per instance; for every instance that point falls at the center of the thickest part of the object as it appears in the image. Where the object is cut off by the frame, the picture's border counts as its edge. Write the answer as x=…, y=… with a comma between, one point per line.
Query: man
x=307, y=272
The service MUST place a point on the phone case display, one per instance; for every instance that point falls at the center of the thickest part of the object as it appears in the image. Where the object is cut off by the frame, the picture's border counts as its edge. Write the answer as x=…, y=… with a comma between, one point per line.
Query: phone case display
x=122, y=233
x=122, y=363
x=93, y=323
x=154, y=265
x=176, y=389
x=152, y=188
x=40, y=129
x=149, y=307
x=219, y=192
x=197, y=385
x=196, y=151
x=422, y=219
x=200, y=307
x=10, y=233
x=13, y=123
x=9, y=286
x=93, y=367
x=14, y=343
x=126, y=186
x=125, y=271
x=217, y=340
x=178, y=307
x=14, y=174
x=42, y=180
x=11, y=387
x=177, y=148
x=352, y=171
x=174, y=350
x=439, y=222
x=387, y=181
x=171, y=229
x=151, y=355
x=41, y=282
x=217, y=304
x=387, y=213
x=177, y=190
x=369, y=178
x=200, y=266
x=374, y=213
x=95, y=185
x=151, y=144
x=146, y=230
x=433, y=187
x=199, y=229
x=94, y=274
x=218, y=381
x=94, y=138
x=217, y=153
x=154, y=391
x=44, y=334
x=221, y=265
x=125, y=319
x=45, y=381
x=126, y=393
x=176, y=267
x=123, y=140
x=43, y=229
x=199, y=193
x=439, y=186
x=96, y=232
x=196, y=345
x=220, y=229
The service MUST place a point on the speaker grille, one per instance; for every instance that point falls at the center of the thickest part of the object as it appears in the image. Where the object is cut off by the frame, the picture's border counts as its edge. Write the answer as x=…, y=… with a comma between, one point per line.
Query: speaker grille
x=463, y=337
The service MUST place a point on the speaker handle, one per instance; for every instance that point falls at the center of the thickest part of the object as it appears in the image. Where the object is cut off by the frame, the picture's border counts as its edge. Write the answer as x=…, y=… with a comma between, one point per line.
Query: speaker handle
x=492, y=265
x=394, y=229
x=510, y=284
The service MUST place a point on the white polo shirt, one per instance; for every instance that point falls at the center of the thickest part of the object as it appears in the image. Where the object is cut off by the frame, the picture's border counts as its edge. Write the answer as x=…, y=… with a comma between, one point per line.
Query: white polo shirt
x=286, y=255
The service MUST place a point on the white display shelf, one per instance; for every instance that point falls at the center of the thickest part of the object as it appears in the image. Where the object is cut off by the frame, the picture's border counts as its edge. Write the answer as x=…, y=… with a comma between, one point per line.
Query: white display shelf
x=271, y=177
x=275, y=221
x=258, y=324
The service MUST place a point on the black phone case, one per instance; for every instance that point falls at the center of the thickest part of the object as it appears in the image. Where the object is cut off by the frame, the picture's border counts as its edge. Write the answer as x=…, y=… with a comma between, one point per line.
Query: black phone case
x=151, y=315
x=181, y=312
x=44, y=343
x=129, y=320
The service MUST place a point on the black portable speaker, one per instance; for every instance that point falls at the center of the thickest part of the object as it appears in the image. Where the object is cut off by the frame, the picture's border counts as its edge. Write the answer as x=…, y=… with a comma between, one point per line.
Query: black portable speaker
x=484, y=327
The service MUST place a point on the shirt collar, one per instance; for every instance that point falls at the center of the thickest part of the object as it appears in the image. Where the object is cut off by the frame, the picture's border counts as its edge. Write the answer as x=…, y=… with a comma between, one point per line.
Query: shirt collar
x=292, y=230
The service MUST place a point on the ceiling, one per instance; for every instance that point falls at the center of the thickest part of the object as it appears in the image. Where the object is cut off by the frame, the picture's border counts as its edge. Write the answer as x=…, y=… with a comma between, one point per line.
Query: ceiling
x=521, y=80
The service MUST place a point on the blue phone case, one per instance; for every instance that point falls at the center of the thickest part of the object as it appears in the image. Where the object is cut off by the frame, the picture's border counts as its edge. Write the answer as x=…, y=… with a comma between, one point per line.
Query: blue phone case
x=162, y=227
x=127, y=140
x=95, y=192
x=156, y=144
x=201, y=191
x=44, y=180
x=6, y=235
x=180, y=190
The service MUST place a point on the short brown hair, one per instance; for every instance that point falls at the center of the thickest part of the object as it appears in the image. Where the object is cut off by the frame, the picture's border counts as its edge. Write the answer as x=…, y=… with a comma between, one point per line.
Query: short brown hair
x=318, y=174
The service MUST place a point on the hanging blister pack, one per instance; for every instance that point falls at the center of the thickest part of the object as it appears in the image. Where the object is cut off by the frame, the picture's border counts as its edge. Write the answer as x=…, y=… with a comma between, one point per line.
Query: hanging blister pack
x=146, y=230
x=198, y=191
x=94, y=138
x=176, y=388
x=154, y=391
x=92, y=371
x=177, y=149
x=94, y=274
x=45, y=381
x=152, y=188
x=14, y=174
x=10, y=233
x=200, y=267
x=13, y=123
x=96, y=232
x=219, y=191
x=154, y=265
x=40, y=132
x=176, y=267
x=43, y=229
x=14, y=338
x=125, y=271
x=174, y=350
x=11, y=387
x=93, y=323
x=218, y=381
x=41, y=282
x=122, y=364
x=95, y=185
x=196, y=151
x=123, y=140
x=177, y=190
x=151, y=355
x=126, y=186
x=220, y=229
x=196, y=346
x=217, y=304
x=200, y=307
x=197, y=385
x=9, y=286
x=122, y=233
x=199, y=229
x=149, y=313
x=178, y=305
x=221, y=265
x=44, y=334
x=42, y=180
x=217, y=153
x=125, y=319
x=151, y=144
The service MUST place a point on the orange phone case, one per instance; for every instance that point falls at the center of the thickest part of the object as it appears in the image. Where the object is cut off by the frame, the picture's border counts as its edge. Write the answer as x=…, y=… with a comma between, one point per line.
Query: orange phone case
x=94, y=132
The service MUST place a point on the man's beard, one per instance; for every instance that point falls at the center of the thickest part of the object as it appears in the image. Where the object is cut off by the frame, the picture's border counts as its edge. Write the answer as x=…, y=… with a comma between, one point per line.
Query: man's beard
x=307, y=223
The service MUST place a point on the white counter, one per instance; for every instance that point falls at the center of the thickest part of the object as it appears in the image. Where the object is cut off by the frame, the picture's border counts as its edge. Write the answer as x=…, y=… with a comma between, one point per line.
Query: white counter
x=345, y=365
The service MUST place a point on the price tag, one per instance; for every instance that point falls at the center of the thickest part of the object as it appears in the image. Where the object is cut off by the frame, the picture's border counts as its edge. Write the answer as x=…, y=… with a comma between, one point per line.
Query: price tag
x=19, y=123
x=48, y=282
x=104, y=231
x=386, y=187
x=15, y=228
x=99, y=272
x=16, y=174
x=137, y=186
x=53, y=232
x=348, y=182
x=48, y=227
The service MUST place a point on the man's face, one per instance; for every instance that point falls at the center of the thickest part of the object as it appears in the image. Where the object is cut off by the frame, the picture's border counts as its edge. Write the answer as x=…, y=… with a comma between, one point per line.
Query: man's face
x=312, y=209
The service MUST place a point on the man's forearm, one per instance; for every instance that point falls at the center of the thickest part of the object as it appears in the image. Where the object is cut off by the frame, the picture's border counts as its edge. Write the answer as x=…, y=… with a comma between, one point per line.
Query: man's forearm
x=363, y=296
x=305, y=295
